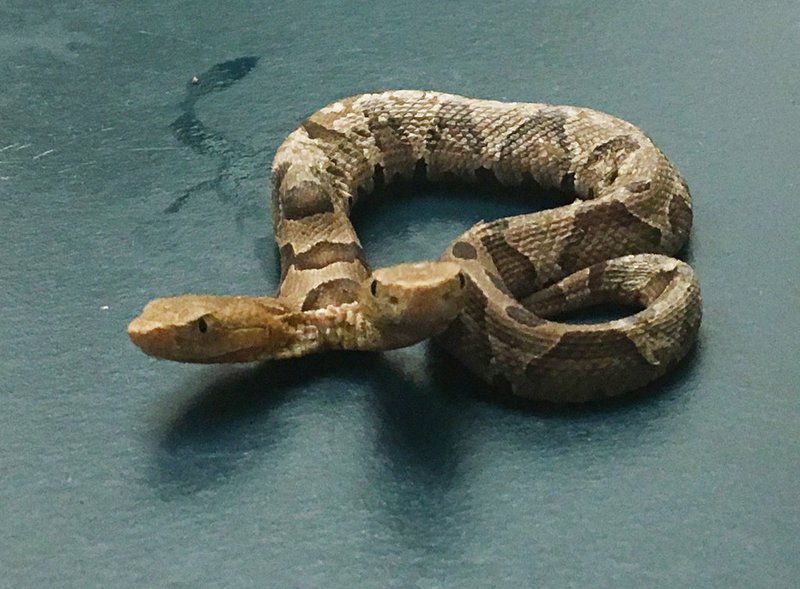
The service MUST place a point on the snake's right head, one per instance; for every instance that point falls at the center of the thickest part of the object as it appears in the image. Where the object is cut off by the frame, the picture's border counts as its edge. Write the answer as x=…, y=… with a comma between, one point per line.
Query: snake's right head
x=210, y=329
x=408, y=303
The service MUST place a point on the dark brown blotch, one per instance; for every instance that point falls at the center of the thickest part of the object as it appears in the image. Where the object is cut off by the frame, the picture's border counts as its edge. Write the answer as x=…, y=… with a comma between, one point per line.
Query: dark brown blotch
x=316, y=131
x=516, y=270
x=325, y=253
x=454, y=129
x=549, y=123
x=596, y=277
x=334, y=292
x=464, y=250
x=468, y=332
x=680, y=214
x=606, y=230
x=304, y=200
x=278, y=174
x=287, y=258
x=615, y=149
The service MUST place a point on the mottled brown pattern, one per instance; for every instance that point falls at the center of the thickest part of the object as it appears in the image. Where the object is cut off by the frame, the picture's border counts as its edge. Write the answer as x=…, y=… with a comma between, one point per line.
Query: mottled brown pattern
x=514, y=268
x=333, y=292
x=304, y=200
x=637, y=204
x=322, y=254
x=496, y=285
x=523, y=316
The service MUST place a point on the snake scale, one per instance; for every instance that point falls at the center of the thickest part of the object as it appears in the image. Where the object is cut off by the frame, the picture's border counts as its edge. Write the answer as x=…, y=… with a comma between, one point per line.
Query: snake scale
x=493, y=298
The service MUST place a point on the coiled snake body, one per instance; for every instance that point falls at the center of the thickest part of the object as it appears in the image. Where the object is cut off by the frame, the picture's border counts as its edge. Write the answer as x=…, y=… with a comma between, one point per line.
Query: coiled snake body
x=491, y=296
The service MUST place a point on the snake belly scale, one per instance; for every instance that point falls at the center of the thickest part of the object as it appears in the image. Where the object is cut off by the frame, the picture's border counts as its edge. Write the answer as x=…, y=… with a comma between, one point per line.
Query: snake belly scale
x=493, y=297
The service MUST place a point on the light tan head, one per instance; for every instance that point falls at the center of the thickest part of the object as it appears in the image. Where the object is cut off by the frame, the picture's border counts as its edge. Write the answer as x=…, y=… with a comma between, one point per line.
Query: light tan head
x=408, y=303
x=396, y=307
x=201, y=328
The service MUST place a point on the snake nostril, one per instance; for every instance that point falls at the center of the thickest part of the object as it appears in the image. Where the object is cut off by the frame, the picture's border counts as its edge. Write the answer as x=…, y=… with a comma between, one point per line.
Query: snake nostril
x=373, y=288
x=462, y=281
x=202, y=325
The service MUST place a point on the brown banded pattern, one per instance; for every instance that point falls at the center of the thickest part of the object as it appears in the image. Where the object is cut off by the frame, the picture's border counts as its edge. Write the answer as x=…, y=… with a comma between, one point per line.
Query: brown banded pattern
x=632, y=210
x=495, y=296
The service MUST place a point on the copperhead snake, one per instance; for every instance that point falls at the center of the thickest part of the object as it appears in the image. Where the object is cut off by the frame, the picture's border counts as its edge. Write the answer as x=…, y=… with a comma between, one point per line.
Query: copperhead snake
x=492, y=298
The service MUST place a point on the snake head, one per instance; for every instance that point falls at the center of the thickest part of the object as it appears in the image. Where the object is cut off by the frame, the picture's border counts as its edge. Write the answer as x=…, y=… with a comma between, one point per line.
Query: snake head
x=408, y=303
x=209, y=329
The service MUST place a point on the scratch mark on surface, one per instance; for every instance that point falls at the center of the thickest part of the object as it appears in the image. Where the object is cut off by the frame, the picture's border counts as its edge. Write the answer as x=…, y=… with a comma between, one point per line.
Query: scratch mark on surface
x=153, y=148
x=44, y=153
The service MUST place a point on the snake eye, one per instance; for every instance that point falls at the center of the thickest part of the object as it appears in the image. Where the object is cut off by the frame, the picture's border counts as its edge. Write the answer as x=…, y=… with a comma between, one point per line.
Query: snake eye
x=202, y=326
x=373, y=288
x=462, y=281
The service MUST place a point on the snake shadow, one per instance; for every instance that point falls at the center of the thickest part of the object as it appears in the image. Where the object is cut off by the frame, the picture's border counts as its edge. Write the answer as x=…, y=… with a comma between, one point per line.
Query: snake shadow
x=229, y=419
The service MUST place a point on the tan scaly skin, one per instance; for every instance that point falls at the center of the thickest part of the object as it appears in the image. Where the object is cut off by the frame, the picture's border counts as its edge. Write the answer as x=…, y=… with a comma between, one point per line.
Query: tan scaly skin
x=504, y=281
x=397, y=307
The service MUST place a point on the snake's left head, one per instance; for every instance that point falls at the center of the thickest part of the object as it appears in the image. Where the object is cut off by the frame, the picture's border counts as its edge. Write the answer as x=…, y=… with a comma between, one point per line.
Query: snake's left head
x=408, y=303
x=206, y=329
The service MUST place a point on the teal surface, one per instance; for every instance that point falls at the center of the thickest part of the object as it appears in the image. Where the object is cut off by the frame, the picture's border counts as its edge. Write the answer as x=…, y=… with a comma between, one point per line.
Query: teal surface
x=120, y=181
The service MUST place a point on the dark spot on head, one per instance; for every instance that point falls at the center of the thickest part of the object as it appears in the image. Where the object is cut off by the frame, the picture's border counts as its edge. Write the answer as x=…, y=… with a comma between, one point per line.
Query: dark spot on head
x=464, y=250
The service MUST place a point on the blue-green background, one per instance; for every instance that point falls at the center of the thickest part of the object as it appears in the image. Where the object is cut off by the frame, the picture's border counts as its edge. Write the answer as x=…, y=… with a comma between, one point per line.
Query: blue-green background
x=378, y=471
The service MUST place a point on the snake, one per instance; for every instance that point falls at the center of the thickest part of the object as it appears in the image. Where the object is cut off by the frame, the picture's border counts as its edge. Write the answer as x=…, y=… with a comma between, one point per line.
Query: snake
x=495, y=297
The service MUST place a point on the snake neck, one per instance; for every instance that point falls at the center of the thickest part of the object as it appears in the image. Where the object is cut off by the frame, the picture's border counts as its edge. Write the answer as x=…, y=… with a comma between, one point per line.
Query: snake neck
x=340, y=327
